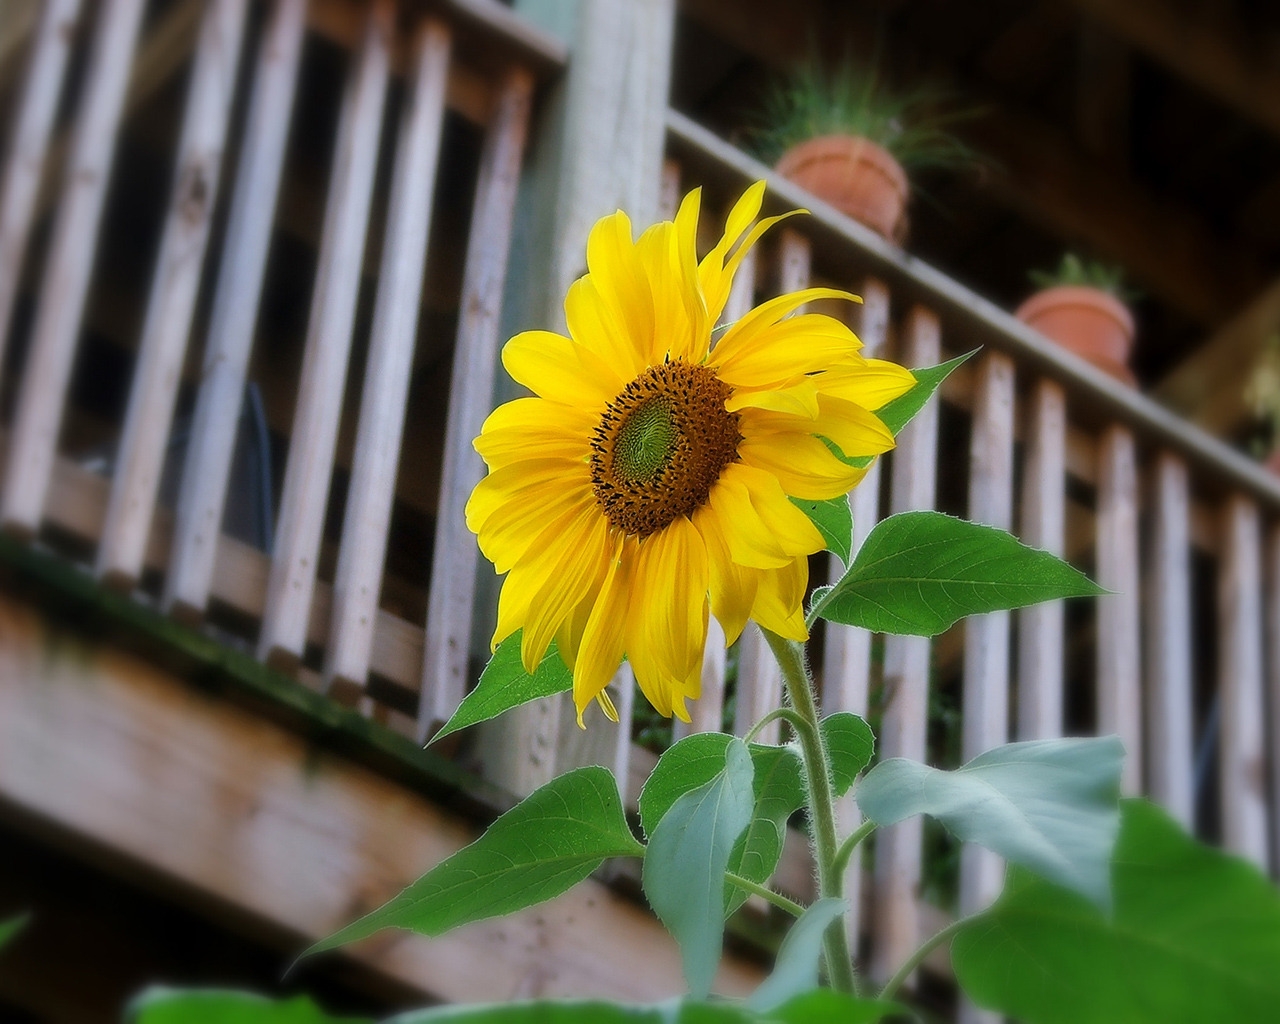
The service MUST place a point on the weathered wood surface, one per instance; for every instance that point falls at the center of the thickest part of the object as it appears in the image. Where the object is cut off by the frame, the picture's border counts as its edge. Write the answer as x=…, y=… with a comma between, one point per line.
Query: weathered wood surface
x=239, y=809
x=162, y=350
x=1119, y=686
x=906, y=675
x=1272, y=654
x=1169, y=656
x=453, y=574
x=358, y=578
x=28, y=146
x=305, y=493
x=42, y=396
x=202, y=495
x=1241, y=742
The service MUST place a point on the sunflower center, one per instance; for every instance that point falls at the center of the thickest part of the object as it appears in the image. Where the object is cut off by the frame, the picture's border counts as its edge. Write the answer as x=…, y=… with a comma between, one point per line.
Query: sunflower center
x=660, y=446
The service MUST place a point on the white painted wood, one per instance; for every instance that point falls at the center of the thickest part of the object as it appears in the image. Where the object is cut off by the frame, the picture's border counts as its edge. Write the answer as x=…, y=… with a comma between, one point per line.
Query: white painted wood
x=202, y=495
x=1169, y=664
x=846, y=666
x=29, y=145
x=906, y=676
x=1272, y=611
x=669, y=191
x=1242, y=756
x=42, y=396
x=1043, y=525
x=358, y=578
x=304, y=497
x=449, y=606
x=163, y=347
x=1119, y=685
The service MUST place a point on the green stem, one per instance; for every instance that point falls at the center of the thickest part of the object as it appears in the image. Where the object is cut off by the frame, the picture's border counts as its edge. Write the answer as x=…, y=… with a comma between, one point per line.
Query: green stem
x=795, y=673
x=843, y=854
x=784, y=713
x=915, y=959
x=776, y=898
x=816, y=609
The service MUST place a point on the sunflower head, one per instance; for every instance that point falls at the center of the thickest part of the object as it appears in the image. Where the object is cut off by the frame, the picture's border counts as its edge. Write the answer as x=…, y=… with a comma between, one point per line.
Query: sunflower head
x=648, y=482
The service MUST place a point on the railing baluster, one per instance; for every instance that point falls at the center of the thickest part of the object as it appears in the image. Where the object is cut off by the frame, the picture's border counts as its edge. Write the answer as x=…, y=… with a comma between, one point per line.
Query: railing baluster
x=1118, y=682
x=846, y=666
x=453, y=572
x=42, y=396
x=304, y=497
x=1272, y=633
x=1242, y=756
x=173, y=295
x=1171, y=758
x=358, y=579
x=906, y=675
x=198, y=517
x=1040, y=627
x=29, y=146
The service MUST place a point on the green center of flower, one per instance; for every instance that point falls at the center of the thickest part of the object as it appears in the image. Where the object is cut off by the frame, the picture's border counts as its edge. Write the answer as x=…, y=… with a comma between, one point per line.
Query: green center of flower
x=661, y=445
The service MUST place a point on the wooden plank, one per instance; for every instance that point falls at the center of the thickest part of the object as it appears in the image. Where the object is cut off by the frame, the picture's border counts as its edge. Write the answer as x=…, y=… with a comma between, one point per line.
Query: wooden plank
x=1119, y=686
x=906, y=675
x=1169, y=631
x=669, y=192
x=358, y=578
x=239, y=810
x=162, y=350
x=66, y=276
x=304, y=496
x=29, y=145
x=453, y=574
x=202, y=495
x=1272, y=611
x=1242, y=755
x=846, y=665
x=1043, y=525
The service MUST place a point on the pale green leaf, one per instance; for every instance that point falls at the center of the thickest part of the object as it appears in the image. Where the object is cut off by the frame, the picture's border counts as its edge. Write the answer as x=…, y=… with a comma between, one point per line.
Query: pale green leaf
x=686, y=860
x=834, y=520
x=795, y=969
x=161, y=1005
x=540, y=848
x=826, y=1006
x=1049, y=805
x=504, y=684
x=919, y=572
x=850, y=745
x=1194, y=937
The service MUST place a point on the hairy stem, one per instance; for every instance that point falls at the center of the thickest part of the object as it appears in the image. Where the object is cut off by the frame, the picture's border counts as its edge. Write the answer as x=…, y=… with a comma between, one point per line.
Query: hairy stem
x=776, y=898
x=915, y=959
x=849, y=845
x=785, y=714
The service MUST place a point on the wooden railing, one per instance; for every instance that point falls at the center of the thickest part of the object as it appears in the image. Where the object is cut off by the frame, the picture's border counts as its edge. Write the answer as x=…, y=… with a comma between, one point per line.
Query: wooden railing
x=1030, y=438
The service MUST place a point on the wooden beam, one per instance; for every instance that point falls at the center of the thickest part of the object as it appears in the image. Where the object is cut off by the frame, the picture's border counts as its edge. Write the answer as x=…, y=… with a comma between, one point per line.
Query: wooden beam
x=242, y=812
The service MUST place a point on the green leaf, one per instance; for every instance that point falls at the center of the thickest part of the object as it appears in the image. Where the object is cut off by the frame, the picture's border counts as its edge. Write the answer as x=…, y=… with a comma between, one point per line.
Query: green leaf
x=1049, y=805
x=834, y=520
x=9, y=929
x=826, y=1006
x=902, y=410
x=161, y=1005
x=504, y=684
x=795, y=970
x=778, y=787
x=919, y=572
x=1194, y=937
x=687, y=857
x=540, y=848
x=850, y=745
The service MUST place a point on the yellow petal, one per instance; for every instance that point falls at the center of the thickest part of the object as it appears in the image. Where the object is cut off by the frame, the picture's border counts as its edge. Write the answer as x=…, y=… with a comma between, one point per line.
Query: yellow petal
x=557, y=368
x=764, y=351
x=601, y=650
x=870, y=383
x=531, y=428
x=732, y=586
x=761, y=526
x=597, y=325
x=854, y=430
x=778, y=604
x=800, y=399
x=802, y=464
x=510, y=483
x=575, y=563
x=620, y=281
x=513, y=527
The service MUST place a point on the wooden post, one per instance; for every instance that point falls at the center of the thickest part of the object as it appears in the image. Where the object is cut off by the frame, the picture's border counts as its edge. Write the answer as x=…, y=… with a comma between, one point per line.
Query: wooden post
x=198, y=516
x=1241, y=751
x=29, y=146
x=1040, y=627
x=453, y=573
x=43, y=394
x=162, y=350
x=1118, y=681
x=358, y=579
x=1272, y=611
x=846, y=666
x=906, y=677
x=304, y=498
x=1171, y=757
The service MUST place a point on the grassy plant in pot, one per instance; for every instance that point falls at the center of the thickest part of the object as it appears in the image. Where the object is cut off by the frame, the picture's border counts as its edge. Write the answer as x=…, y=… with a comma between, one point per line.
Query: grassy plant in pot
x=1083, y=307
x=1262, y=395
x=850, y=140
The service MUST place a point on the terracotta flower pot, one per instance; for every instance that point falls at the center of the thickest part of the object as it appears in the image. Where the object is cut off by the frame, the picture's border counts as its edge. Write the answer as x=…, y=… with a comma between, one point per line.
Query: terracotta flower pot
x=1091, y=323
x=856, y=176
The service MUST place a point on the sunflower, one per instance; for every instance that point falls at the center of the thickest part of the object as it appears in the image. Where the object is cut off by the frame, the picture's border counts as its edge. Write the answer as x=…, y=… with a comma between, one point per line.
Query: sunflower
x=649, y=482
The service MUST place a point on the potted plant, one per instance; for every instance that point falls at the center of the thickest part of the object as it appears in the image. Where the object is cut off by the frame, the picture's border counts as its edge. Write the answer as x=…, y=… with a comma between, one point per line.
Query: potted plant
x=1262, y=395
x=849, y=139
x=1083, y=306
